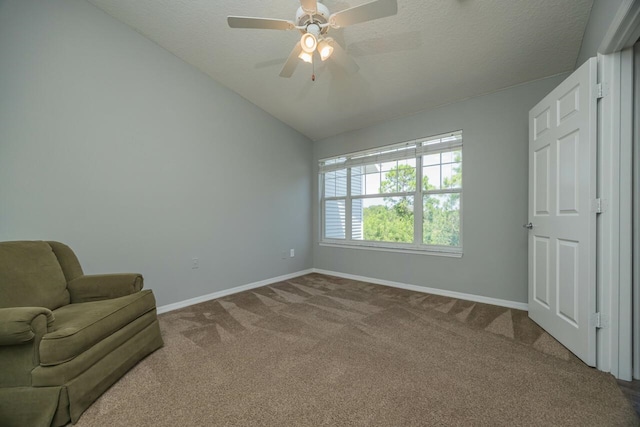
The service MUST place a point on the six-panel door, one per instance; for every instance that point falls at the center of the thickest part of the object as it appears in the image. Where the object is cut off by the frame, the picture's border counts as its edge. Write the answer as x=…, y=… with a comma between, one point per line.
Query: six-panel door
x=562, y=189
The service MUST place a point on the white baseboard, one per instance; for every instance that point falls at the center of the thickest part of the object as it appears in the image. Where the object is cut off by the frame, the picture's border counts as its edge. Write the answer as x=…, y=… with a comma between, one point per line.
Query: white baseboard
x=225, y=292
x=415, y=288
x=427, y=290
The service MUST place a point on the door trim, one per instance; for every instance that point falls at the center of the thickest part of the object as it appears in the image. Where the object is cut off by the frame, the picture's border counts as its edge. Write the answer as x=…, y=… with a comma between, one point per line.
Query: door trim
x=636, y=214
x=614, y=224
x=624, y=29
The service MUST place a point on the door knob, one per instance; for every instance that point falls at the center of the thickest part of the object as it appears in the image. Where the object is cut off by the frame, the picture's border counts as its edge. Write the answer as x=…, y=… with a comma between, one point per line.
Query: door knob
x=529, y=226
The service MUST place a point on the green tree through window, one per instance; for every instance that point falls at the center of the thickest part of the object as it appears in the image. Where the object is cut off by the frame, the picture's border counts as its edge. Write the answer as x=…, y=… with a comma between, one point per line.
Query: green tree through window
x=441, y=218
x=393, y=221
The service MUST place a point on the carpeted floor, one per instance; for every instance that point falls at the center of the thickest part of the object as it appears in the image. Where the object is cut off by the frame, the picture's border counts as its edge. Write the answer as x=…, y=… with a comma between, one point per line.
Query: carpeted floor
x=319, y=350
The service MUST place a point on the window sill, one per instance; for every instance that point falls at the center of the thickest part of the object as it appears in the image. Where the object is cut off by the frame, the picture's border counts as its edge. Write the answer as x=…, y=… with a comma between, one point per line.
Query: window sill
x=452, y=253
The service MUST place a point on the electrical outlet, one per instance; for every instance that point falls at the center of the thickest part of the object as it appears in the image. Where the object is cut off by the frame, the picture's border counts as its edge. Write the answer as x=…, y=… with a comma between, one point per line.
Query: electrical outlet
x=292, y=253
x=195, y=263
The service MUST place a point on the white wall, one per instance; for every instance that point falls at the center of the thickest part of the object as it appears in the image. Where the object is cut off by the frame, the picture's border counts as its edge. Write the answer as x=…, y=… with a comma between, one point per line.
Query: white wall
x=495, y=177
x=140, y=162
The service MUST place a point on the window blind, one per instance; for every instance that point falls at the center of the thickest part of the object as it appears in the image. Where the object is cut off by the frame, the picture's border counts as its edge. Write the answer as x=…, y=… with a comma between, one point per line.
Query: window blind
x=405, y=150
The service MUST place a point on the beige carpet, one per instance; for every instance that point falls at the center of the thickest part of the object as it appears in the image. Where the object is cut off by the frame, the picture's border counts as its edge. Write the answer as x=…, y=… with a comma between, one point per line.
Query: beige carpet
x=319, y=350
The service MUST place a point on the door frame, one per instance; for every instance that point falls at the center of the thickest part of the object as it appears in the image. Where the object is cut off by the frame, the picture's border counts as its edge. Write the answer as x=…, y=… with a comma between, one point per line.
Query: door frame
x=614, y=248
x=624, y=30
x=616, y=291
x=615, y=341
x=636, y=213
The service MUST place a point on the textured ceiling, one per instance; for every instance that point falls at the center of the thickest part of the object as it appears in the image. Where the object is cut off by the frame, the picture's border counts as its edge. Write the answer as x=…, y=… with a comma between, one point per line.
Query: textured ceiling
x=431, y=53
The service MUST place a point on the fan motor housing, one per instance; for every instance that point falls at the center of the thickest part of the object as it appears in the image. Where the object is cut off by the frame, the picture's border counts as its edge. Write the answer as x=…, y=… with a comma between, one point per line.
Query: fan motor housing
x=320, y=17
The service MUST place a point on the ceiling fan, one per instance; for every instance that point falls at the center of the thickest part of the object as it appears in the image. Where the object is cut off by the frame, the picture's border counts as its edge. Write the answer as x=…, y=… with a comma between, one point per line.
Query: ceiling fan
x=314, y=21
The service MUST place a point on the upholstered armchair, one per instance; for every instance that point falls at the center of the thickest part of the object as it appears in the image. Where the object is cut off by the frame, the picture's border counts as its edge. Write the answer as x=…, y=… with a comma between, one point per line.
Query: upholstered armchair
x=65, y=337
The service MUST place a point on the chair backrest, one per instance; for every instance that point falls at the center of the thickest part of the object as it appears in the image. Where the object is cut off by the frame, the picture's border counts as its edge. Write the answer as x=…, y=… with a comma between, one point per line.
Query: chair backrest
x=31, y=276
x=67, y=259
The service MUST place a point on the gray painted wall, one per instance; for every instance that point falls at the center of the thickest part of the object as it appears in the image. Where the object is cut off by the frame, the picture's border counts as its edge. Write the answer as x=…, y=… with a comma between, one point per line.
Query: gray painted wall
x=495, y=200
x=602, y=14
x=140, y=162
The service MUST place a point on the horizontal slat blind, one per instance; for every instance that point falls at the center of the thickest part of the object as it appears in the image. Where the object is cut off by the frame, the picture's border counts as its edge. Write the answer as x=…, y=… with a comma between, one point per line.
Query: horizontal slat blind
x=335, y=219
x=440, y=144
x=405, y=150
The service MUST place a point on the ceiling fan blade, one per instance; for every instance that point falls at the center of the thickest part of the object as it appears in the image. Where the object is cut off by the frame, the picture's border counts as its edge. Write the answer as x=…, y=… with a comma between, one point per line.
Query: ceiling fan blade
x=365, y=12
x=259, y=23
x=343, y=59
x=309, y=6
x=290, y=66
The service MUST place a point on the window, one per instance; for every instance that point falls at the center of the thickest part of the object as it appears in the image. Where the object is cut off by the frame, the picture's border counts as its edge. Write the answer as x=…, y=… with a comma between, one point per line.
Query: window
x=405, y=196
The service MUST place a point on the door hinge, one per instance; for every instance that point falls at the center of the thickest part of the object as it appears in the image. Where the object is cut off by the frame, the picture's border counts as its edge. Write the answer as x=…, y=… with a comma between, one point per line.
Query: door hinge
x=598, y=206
x=599, y=321
x=602, y=90
x=596, y=320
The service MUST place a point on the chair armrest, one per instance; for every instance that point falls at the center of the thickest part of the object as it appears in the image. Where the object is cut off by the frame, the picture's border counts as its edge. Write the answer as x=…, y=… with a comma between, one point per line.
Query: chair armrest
x=17, y=324
x=104, y=286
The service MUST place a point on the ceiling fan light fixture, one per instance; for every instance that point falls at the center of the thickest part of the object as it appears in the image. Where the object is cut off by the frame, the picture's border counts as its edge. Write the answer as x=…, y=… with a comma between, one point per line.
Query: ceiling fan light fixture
x=325, y=48
x=308, y=42
x=306, y=56
x=314, y=20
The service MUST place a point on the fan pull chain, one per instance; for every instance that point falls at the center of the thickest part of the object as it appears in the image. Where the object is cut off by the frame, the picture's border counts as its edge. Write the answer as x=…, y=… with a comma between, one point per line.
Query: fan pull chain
x=313, y=71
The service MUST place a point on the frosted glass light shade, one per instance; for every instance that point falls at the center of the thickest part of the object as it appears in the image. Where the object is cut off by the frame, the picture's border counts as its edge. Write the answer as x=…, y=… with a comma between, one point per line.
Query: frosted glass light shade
x=325, y=49
x=308, y=42
x=306, y=56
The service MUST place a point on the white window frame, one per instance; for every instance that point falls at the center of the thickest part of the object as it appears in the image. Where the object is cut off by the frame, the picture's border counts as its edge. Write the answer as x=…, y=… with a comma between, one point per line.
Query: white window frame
x=415, y=149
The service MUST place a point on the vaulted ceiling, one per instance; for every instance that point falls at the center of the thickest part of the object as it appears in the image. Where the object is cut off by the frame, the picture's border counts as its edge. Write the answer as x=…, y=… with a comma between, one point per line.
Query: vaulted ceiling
x=432, y=52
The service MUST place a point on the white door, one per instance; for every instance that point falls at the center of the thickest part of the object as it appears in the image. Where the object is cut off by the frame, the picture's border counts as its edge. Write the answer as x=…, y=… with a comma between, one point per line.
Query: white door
x=562, y=215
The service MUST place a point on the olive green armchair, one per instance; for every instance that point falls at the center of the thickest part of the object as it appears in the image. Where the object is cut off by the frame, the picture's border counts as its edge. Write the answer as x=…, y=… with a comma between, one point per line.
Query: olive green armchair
x=65, y=337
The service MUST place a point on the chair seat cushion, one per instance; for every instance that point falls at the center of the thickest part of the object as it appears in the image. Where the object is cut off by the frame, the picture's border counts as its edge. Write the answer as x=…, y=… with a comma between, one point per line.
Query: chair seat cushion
x=79, y=326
